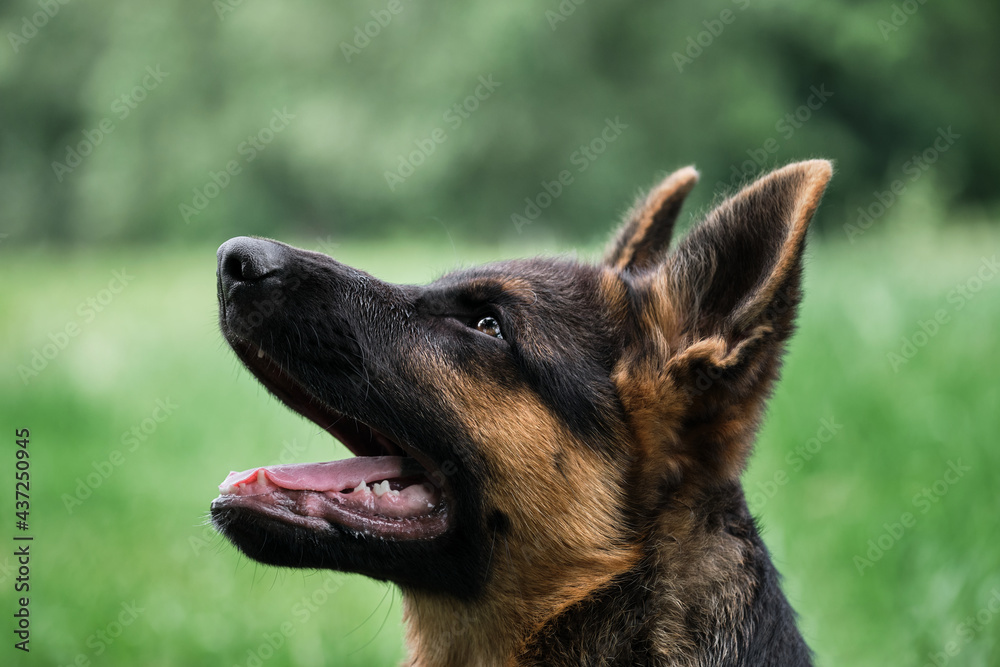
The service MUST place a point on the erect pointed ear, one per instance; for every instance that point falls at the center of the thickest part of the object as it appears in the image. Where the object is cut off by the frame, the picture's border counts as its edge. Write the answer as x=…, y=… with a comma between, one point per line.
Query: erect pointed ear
x=645, y=234
x=734, y=285
x=715, y=314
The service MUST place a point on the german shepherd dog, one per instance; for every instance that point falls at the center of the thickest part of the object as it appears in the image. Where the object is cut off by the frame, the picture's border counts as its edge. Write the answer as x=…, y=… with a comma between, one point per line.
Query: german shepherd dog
x=547, y=453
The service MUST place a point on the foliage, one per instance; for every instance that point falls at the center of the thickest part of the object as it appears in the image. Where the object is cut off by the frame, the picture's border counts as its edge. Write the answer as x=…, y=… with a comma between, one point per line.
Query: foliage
x=137, y=533
x=706, y=83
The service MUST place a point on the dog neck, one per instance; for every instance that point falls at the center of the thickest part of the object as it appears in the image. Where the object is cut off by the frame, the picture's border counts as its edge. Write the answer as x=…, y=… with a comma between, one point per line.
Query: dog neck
x=703, y=592
x=495, y=628
x=443, y=633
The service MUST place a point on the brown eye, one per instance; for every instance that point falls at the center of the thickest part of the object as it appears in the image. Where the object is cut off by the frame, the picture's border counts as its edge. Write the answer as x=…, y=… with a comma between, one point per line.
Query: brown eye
x=489, y=326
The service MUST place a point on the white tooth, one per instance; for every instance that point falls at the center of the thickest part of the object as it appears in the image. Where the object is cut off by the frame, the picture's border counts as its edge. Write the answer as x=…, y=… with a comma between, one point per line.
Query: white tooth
x=381, y=488
x=228, y=490
x=393, y=492
x=360, y=487
x=261, y=478
x=260, y=353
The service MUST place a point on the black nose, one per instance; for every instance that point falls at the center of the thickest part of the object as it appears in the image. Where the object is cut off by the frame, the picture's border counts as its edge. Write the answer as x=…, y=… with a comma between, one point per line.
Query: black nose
x=247, y=260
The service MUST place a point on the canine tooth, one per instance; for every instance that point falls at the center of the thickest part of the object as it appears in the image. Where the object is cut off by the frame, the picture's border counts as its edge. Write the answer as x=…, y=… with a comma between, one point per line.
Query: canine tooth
x=261, y=478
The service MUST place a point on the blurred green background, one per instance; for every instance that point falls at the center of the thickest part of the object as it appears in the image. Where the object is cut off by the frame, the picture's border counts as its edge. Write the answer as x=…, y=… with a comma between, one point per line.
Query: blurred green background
x=409, y=139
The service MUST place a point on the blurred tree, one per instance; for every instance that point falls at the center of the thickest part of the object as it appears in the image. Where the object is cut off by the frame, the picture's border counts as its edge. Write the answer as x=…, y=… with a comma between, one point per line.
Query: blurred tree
x=156, y=120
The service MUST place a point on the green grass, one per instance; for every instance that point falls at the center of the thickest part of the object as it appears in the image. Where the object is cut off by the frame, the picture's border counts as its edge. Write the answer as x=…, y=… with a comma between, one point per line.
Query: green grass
x=140, y=535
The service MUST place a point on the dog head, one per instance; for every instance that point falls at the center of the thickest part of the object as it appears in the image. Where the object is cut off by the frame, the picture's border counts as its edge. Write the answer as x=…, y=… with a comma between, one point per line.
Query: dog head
x=517, y=427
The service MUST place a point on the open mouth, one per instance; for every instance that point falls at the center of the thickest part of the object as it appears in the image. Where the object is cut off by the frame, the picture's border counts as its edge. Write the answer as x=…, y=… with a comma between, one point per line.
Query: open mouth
x=385, y=490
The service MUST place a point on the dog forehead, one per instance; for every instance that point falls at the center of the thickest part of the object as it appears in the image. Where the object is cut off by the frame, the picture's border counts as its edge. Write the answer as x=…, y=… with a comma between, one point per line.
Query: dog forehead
x=537, y=281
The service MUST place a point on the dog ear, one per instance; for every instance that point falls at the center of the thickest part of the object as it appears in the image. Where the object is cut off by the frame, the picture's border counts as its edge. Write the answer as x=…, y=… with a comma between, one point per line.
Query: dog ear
x=745, y=258
x=734, y=283
x=718, y=310
x=645, y=235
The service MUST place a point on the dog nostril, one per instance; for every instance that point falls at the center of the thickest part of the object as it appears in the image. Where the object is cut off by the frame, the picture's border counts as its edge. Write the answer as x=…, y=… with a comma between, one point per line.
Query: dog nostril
x=247, y=260
x=232, y=266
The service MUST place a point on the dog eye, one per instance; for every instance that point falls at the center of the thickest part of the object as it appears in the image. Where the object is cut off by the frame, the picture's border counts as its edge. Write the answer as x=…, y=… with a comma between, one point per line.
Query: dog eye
x=489, y=326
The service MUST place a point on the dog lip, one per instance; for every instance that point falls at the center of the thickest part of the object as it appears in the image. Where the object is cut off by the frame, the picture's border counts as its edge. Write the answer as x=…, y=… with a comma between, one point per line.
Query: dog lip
x=369, y=446
x=347, y=492
x=318, y=513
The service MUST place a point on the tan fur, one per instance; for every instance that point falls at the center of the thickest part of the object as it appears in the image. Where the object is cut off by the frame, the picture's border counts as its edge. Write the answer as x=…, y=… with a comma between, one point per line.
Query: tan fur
x=704, y=575
x=574, y=540
x=566, y=540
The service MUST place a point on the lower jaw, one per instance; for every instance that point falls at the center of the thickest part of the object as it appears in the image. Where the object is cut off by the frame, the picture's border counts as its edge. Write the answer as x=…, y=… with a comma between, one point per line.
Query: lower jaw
x=315, y=512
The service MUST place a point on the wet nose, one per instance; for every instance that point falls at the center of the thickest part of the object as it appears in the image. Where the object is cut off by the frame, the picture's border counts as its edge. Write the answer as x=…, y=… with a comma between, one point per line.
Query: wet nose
x=248, y=260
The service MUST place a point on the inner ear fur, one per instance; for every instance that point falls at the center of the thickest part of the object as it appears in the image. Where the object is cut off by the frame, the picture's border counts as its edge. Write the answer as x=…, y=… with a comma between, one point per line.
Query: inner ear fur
x=644, y=237
x=735, y=269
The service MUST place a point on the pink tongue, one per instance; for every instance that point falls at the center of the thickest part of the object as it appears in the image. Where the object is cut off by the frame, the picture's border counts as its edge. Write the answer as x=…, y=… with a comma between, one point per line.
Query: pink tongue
x=331, y=475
